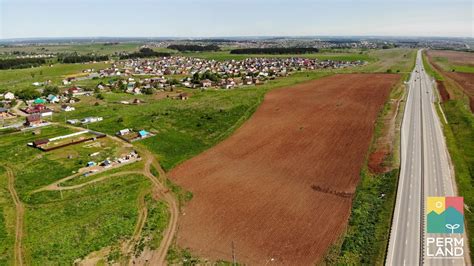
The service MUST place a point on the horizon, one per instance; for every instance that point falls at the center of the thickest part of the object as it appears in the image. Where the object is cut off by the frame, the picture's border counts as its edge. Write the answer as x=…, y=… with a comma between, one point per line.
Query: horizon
x=220, y=18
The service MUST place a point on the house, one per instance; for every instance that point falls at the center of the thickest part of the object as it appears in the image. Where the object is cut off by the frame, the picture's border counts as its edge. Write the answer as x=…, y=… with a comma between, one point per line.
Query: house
x=106, y=163
x=91, y=163
x=91, y=120
x=52, y=98
x=3, y=112
x=39, y=108
x=124, y=132
x=9, y=96
x=40, y=142
x=46, y=112
x=205, y=83
x=143, y=133
x=67, y=108
x=39, y=101
x=33, y=120
x=72, y=121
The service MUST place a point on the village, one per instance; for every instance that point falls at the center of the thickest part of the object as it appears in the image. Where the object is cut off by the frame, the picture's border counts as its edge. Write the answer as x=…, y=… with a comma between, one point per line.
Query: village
x=149, y=76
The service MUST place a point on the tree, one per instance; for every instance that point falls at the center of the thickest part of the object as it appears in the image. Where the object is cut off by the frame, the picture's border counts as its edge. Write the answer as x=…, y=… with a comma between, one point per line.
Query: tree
x=28, y=94
x=50, y=90
x=99, y=96
x=147, y=91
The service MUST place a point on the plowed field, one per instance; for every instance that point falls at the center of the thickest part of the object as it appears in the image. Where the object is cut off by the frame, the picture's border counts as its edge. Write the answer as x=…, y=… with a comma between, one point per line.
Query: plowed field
x=281, y=186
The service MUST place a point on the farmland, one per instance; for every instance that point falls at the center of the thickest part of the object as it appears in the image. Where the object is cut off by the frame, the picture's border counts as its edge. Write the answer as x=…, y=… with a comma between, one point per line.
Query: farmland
x=299, y=164
x=82, y=205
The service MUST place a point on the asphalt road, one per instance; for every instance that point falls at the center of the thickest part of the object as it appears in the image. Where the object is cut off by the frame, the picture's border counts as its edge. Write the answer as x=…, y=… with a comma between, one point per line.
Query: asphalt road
x=425, y=171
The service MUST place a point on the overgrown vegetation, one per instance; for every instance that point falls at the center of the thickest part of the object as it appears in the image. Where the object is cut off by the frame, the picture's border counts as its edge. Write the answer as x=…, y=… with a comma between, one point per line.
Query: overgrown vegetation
x=21, y=63
x=75, y=58
x=156, y=222
x=143, y=53
x=193, y=47
x=7, y=220
x=278, y=50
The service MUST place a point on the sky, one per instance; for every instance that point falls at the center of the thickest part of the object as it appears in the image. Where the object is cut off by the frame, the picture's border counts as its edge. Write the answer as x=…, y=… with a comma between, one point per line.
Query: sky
x=224, y=18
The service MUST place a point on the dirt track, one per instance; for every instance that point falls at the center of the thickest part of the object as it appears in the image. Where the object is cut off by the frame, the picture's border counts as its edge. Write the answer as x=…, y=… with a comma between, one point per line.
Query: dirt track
x=280, y=188
x=20, y=210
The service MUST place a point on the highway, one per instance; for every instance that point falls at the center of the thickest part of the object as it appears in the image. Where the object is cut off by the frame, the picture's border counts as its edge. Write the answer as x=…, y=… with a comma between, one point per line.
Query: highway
x=425, y=171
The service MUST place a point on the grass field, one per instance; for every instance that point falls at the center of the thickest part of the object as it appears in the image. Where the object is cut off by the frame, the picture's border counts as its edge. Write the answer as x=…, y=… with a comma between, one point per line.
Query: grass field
x=17, y=79
x=451, y=61
x=76, y=222
x=395, y=60
x=95, y=48
x=7, y=221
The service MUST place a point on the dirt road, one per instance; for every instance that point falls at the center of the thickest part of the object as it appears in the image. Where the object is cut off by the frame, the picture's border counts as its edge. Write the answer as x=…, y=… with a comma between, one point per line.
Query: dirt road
x=158, y=256
x=20, y=210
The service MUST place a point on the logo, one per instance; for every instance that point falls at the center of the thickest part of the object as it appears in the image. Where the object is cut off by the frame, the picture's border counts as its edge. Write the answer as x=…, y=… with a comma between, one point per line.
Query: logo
x=445, y=215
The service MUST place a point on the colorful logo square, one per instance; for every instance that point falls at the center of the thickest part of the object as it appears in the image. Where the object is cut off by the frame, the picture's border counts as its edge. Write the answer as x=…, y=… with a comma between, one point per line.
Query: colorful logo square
x=445, y=215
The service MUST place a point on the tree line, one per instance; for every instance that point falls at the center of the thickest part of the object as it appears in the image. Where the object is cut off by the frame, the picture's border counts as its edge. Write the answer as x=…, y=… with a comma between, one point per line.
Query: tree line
x=15, y=63
x=70, y=59
x=282, y=50
x=194, y=47
x=144, y=52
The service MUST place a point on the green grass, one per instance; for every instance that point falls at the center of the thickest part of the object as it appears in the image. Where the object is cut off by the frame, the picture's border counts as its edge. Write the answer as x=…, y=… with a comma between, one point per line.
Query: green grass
x=61, y=227
x=156, y=222
x=82, y=221
x=7, y=222
x=430, y=70
x=367, y=234
x=88, y=48
x=459, y=133
x=17, y=79
x=446, y=65
x=397, y=60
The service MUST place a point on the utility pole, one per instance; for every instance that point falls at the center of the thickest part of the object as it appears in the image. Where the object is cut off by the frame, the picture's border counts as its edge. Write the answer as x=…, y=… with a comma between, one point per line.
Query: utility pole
x=233, y=254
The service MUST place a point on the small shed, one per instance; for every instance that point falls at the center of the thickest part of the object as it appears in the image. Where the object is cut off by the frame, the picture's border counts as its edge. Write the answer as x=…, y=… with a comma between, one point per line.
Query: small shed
x=143, y=133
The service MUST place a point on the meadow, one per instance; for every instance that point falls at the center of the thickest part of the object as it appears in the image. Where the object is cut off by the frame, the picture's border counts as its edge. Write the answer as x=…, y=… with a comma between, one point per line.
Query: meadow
x=17, y=79
x=78, y=221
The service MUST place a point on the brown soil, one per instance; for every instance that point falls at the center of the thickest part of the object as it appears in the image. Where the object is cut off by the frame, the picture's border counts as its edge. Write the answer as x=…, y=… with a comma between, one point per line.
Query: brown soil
x=376, y=161
x=281, y=187
x=442, y=91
